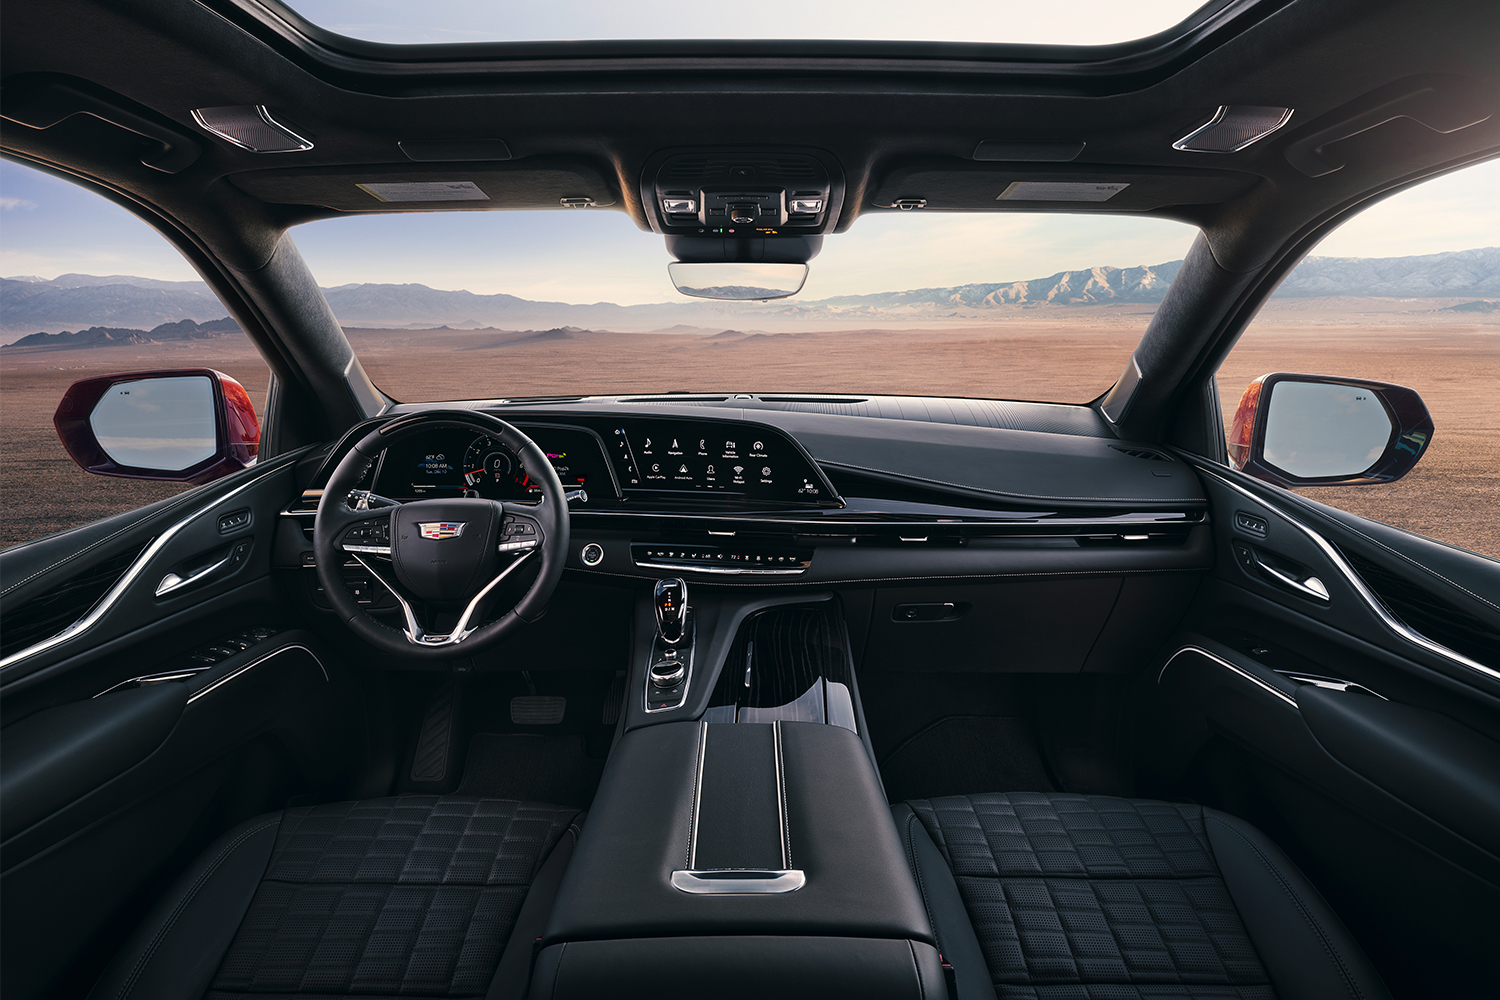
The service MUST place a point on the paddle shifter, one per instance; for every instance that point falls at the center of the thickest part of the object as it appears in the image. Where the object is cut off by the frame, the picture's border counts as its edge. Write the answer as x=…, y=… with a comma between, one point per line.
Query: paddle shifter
x=671, y=649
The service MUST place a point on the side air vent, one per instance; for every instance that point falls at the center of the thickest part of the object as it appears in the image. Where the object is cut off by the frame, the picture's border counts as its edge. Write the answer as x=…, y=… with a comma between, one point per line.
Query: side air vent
x=47, y=614
x=1151, y=456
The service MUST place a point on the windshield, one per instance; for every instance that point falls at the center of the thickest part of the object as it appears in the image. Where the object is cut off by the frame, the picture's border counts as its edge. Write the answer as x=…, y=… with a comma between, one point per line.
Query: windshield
x=513, y=304
x=1087, y=22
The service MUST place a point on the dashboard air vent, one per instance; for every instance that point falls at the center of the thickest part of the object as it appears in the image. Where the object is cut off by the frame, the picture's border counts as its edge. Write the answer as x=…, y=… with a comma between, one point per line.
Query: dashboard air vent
x=1152, y=456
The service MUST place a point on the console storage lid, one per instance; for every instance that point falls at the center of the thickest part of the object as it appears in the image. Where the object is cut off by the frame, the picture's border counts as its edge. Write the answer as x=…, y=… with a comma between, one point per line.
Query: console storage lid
x=801, y=797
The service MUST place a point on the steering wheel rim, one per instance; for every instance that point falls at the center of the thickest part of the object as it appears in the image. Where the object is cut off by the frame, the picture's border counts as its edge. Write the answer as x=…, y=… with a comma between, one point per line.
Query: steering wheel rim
x=335, y=519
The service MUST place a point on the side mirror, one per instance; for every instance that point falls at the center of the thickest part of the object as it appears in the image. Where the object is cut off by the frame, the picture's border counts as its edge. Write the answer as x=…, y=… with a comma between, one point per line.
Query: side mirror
x=1320, y=430
x=188, y=425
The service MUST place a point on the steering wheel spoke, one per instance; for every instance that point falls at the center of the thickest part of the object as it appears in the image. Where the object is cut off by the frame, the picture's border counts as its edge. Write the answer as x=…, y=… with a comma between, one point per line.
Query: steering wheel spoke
x=520, y=529
x=367, y=532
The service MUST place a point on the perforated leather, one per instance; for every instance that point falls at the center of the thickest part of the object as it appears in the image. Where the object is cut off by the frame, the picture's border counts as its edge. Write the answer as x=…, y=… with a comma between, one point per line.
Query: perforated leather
x=410, y=896
x=1094, y=897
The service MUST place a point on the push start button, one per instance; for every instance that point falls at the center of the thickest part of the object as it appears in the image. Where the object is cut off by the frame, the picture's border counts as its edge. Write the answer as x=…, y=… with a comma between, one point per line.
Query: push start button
x=592, y=554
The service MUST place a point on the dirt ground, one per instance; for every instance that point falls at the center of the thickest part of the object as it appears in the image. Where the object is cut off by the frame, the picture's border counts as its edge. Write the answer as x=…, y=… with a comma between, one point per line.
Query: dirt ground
x=1451, y=496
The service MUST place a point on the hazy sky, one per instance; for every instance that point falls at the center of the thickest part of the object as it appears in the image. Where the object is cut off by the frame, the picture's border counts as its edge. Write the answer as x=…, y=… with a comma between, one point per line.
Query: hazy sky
x=1086, y=22
x=50, y=227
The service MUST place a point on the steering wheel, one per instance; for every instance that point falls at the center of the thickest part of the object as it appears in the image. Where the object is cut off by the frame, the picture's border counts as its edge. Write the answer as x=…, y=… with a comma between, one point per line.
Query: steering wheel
x=442, y=556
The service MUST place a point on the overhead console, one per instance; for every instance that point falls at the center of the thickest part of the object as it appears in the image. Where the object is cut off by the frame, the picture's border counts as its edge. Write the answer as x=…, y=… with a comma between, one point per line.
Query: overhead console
x=742, y=193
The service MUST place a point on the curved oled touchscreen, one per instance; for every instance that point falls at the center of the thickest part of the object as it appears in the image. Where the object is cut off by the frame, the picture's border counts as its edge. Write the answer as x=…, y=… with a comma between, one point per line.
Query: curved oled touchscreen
x=711, y=458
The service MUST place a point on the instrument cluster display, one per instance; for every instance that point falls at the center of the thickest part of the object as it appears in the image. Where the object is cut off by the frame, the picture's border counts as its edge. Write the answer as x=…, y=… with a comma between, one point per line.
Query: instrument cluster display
x=452, y=463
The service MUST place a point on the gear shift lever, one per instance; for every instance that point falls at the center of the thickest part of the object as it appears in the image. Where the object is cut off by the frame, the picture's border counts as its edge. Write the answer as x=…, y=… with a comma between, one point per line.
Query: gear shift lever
x=671, y=610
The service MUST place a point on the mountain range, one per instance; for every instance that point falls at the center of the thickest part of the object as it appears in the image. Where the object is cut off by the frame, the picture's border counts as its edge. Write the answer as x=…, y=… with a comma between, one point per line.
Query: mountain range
x=142, y=305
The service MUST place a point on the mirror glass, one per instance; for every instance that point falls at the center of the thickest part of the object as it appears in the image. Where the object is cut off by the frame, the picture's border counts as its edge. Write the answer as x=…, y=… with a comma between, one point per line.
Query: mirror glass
x=1315, y=429
x=159, y=423
x=738, y=281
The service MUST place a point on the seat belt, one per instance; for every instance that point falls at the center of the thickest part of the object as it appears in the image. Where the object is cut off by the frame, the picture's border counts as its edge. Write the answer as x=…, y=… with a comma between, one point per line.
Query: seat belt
x=513, y=975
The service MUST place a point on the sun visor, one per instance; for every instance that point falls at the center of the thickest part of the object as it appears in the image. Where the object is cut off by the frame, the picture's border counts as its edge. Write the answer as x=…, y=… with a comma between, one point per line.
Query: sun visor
x=958, y=185
x=533, y=183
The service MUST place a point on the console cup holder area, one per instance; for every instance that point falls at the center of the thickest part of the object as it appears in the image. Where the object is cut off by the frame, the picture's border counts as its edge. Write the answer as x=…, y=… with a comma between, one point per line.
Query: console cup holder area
x=788, y=663
x=754, y=855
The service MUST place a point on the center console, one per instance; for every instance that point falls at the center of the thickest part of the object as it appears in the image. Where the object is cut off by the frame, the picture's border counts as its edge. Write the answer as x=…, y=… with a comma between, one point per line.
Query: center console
x=740, y=841
x=739, y=857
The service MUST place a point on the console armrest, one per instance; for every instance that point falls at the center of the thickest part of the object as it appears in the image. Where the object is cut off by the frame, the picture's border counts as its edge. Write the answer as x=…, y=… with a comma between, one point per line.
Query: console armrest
x=775, y=798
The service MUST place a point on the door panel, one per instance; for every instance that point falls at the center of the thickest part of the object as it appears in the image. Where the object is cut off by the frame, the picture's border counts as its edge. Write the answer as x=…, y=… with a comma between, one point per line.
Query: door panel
x=1319, y=653
x=140, y=719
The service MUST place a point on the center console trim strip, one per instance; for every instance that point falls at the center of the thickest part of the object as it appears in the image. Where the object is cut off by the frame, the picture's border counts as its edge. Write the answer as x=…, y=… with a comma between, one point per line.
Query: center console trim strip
x=739, y=881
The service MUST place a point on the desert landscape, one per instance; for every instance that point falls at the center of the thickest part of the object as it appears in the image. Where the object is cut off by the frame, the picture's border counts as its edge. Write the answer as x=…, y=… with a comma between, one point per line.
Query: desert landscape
x=1064, y=355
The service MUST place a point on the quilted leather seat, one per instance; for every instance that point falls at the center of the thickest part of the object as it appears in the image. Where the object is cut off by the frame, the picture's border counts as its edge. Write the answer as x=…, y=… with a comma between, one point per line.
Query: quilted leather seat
x=1088, y=897
x=418, y=895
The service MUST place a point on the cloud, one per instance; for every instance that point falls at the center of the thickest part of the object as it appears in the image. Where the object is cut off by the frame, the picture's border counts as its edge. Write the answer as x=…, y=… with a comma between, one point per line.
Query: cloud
x=8, y=204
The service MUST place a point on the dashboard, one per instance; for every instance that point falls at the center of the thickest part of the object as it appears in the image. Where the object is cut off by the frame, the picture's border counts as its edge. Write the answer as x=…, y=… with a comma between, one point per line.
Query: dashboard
x=729, y=462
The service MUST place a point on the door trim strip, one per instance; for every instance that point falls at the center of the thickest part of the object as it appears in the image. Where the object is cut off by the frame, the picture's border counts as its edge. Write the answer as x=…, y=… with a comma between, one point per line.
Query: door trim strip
x=113, y=595
x=1228, y=666
x=1354, y=580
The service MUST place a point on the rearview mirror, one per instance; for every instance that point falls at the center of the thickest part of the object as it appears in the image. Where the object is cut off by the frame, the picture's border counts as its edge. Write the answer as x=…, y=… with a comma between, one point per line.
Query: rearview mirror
x=189, y=425
x=738, y=281
x=1318, y=430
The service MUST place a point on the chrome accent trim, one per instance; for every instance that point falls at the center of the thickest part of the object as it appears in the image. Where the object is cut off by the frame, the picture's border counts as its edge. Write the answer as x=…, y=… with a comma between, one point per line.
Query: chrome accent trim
x=172, y=582
x=722, y=570
x=1228, y=666
x=751, y=518
x=722, y=534
x=161, y=678
x=672, y=677
x=113, y=595
x=737, y=881
x=781, y=823
x=371, y=550
x=1330, y=683
x=697, y=794
x=252, y=665
x=912, y=538
x=461, y=631
x=1355, y=581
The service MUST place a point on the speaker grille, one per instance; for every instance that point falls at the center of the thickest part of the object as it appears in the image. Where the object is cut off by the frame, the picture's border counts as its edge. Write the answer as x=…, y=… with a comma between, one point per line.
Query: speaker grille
x=250, y=127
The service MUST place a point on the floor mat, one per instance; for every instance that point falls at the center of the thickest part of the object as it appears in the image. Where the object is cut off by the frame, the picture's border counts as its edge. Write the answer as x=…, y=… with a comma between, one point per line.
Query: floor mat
x=532, y=768
x=966, y=754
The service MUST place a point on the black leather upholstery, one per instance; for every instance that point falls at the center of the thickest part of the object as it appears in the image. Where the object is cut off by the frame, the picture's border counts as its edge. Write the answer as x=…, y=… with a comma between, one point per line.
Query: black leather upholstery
x=411, y=895
x=1074, y=896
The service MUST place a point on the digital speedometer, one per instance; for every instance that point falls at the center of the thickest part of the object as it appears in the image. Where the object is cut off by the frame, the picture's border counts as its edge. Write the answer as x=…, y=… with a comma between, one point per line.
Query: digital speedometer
x=491, y=469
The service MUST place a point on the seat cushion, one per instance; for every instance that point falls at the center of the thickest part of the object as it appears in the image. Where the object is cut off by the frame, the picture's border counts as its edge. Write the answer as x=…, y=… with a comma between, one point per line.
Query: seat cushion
x=1093, y=897
x=409, y=896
